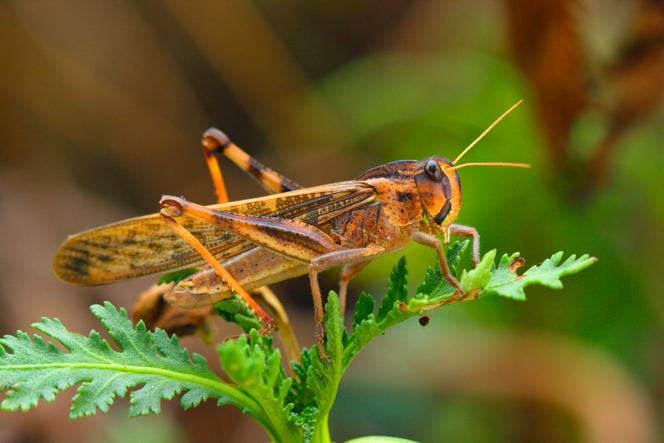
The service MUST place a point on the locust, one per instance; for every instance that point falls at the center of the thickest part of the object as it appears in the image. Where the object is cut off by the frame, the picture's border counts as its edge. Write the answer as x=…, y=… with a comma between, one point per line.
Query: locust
x=292, y=231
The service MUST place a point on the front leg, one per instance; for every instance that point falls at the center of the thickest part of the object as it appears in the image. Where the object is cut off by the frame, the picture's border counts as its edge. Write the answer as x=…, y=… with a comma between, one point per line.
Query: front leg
x=468, y=231
x=435, y=243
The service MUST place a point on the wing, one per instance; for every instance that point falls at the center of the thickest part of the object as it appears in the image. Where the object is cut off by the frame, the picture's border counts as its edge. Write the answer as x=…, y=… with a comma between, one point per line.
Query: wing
x=145, y=245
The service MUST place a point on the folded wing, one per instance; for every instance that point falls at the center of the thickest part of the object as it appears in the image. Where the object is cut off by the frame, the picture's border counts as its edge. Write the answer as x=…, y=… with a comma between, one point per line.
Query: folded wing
x=145, y=245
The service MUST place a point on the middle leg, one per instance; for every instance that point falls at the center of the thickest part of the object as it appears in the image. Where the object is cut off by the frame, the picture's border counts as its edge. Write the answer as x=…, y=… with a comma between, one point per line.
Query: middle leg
x=331, y=260
x=348, y=272
x=435, y=243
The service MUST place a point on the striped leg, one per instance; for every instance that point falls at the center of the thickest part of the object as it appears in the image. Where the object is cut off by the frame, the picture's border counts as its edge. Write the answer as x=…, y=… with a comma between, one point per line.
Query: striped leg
x=216, y=142
x=291, y=238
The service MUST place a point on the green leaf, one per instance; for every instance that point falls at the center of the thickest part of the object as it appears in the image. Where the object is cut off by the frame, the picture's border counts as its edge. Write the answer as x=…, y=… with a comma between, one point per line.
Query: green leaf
x=507, y=283
x=478, y=277
x=176, y=276
x=379, y=439
x=251, y=362
x=434, y=284
x=324, y=372
x=397, y=290
x=35, y=369
x=364, y=307
x=290, y=409
x=454, y=254
x=234, y=310
x=323, y=375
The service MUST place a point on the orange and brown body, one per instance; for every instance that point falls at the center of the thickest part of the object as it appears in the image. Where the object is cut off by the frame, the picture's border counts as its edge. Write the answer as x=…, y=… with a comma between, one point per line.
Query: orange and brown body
x=269, y=239
x=387, y=220
x=251, y=243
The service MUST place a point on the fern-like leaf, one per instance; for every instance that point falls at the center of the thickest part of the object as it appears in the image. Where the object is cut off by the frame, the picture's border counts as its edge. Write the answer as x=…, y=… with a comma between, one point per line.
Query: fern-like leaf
x=289, y=409
x=34, y=369
x=252, y=363
x=322, y=375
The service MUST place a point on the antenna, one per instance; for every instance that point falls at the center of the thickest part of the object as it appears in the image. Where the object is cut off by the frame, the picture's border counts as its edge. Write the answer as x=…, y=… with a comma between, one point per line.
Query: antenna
x=486, y=131
x=507, y=165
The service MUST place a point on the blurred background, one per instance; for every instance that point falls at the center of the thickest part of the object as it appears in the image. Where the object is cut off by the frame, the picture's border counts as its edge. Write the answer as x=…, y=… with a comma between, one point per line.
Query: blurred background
x=103, y=103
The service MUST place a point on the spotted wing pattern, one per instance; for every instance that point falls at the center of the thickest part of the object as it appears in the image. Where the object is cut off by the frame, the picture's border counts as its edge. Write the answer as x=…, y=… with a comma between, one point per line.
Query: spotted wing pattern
x=145, y=245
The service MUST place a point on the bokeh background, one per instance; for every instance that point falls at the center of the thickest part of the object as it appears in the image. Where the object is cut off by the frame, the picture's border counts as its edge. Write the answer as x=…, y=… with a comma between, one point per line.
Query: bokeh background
x=102, y=104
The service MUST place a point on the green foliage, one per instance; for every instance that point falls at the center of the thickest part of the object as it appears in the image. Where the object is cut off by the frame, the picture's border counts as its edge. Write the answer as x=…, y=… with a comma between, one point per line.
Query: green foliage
x=253, y=364
x=176, y=276
x=323, y=375
x=234, y=310
x=35, y=369
x=548, y=274
x=376, y=439
x=289, y=408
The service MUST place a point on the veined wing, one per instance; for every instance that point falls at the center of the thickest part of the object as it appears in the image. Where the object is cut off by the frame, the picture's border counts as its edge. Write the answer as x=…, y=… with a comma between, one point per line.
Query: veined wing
x=145, y=245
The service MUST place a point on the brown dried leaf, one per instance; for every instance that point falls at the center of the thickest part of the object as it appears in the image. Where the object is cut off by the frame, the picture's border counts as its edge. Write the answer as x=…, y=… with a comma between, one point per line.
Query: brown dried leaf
x=516, y=264
x=639, y=74
x=547, y=48
x=637, y=83
x=156, y=312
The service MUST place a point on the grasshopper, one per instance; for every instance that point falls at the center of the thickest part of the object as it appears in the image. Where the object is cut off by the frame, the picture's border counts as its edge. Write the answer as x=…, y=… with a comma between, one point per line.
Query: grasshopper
x=293, y=231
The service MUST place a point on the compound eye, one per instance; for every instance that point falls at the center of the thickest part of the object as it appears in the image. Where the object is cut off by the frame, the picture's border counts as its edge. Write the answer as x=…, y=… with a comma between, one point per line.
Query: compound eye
x=433, y=171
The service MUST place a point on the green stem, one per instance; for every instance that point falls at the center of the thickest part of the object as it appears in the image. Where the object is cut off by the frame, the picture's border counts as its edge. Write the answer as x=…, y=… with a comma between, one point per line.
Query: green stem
x=322, y=434
x=280, y=431
x=332, y=366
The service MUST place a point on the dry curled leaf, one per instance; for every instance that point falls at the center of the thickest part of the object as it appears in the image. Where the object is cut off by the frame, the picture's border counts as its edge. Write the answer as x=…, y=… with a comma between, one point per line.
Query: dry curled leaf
x=636, y=82
x=547, y=47
x=516, y=264
x=156, y=312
